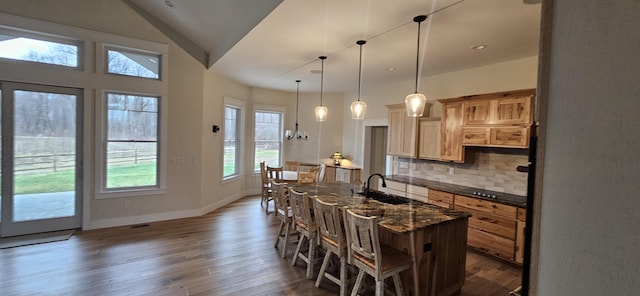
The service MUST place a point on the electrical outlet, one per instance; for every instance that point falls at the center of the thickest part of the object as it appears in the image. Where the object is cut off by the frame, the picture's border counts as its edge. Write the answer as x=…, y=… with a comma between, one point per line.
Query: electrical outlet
x=450, y=170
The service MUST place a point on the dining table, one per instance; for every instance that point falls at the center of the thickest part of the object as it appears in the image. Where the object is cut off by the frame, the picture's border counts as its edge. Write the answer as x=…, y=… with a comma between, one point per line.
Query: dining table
x=435, y=237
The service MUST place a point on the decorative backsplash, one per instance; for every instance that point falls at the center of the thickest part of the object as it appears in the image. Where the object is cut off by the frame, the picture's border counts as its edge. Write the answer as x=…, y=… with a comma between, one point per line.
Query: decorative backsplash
x=485, y=168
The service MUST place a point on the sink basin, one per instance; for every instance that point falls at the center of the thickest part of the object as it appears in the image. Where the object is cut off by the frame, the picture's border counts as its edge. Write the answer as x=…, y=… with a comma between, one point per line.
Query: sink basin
x=386, y=198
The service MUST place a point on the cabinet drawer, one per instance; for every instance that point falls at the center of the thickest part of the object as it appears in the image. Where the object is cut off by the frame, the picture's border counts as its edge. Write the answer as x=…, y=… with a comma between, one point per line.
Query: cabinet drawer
x=438, y=197
x=475, y=136
x=486, y=206
x=490, y=243
x=510, y=136
x=519, y=253
x=494, y=224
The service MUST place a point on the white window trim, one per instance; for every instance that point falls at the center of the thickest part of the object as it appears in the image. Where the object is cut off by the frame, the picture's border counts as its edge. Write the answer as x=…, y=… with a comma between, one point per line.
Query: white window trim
x=101, y=190
x=267, y=108
x=242, y=105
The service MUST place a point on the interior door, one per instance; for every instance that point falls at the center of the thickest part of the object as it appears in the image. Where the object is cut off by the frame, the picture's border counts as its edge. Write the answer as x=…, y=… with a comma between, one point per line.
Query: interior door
x=41, y=158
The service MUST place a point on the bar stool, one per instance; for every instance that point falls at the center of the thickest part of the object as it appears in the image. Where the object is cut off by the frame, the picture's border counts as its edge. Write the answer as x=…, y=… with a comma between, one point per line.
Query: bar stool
x=306, y=228
x=331, y=238
x=367, y=253
x=283, y=211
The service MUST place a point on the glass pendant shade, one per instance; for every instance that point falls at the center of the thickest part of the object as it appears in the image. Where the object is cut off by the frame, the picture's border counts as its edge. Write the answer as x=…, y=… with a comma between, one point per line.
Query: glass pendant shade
x=415, y=104
x=321, y=113
x=357, y=109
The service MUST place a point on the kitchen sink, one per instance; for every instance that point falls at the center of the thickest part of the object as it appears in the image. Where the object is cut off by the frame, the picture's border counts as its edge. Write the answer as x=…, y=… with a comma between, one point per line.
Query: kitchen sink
x=386, y=198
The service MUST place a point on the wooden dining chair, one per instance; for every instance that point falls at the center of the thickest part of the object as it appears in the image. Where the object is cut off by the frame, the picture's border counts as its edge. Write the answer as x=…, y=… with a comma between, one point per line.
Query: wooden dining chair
x=370, y=256
x=331, y=238
x=305, y=225
x=275, y=173
x=290, y=165
x=267, y=194
x=283, y=212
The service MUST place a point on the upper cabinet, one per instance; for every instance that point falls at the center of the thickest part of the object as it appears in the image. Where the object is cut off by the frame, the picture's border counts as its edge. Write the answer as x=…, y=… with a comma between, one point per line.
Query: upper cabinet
x=451, y=131
x=403, y=131
x=501, y=119
x=429, y=138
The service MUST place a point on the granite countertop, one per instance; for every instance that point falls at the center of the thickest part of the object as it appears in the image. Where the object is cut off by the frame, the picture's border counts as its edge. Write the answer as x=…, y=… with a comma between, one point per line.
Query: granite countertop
x=401, y=218
x=500, y=197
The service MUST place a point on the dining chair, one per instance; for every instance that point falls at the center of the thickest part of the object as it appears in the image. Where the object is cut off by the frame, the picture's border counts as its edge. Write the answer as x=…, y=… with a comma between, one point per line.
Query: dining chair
x=305, y=225
x=331, y=238
x=290, y=165
x=275, y=173
x=283, y=212
x=365, y=251
x=267, y=194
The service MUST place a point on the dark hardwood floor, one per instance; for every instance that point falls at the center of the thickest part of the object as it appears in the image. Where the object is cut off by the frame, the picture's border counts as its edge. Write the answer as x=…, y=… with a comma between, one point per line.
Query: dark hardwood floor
x=227, y=252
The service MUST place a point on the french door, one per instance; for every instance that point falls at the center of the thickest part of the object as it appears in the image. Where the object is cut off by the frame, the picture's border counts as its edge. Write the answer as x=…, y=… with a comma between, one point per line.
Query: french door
x=41, y=158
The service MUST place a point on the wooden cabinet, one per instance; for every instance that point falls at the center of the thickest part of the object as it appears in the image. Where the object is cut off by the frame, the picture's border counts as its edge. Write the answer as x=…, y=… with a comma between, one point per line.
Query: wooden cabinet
x=403, y=131
x=441, y=198
x=429, y=138
x=493, y=227
x=451, y=131
x=334, y=174
x=520, y=225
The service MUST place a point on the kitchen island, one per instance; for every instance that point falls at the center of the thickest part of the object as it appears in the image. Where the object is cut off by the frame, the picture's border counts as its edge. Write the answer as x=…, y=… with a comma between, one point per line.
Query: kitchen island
x=435, y=237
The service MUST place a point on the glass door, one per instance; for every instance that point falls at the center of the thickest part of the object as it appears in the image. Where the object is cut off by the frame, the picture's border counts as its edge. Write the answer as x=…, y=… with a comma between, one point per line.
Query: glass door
x=41, y=158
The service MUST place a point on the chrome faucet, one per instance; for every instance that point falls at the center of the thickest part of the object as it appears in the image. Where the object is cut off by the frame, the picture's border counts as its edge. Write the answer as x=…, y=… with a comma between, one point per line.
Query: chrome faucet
x=384, y=184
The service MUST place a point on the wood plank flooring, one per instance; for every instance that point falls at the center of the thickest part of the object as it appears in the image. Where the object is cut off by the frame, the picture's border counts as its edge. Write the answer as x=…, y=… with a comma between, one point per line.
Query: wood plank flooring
x=227, y=252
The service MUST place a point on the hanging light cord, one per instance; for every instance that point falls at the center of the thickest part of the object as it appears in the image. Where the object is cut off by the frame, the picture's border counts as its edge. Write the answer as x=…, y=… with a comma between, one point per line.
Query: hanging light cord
x=297, y=98
x=360, y=42
x=417, y=55
x=322, y=58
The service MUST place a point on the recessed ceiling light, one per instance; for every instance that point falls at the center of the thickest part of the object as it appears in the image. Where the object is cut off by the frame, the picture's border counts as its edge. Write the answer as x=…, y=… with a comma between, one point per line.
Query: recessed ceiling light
x=316, y=71
x=478, y=47
x=391, y=69
x=169, y=3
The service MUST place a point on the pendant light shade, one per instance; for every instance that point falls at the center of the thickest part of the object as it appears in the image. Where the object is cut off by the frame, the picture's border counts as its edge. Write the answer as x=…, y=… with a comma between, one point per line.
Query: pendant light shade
x=296, y=134
x=358, y=107
x=321, y=111
x=416, y=101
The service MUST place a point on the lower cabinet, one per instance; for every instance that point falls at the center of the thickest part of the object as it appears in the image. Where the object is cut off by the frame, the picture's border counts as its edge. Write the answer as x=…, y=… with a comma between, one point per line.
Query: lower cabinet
x=494, y=228
x=334, y=174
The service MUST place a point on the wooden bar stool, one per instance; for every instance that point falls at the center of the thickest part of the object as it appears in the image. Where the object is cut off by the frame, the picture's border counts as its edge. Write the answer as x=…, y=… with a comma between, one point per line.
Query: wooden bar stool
x=365, y=252
x=331, y=238
x=291, y=165
x=275, y=173
x=306, y=228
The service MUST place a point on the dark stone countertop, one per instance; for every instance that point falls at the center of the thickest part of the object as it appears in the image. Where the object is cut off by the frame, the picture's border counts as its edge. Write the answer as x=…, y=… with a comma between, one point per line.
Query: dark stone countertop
x=501, y=197
x=400, y=218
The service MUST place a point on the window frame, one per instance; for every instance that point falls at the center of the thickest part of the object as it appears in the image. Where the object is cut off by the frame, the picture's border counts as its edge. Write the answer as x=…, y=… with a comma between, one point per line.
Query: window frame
x=268, y=109
x=117, y=48
x=42, y=36
x=240, y=136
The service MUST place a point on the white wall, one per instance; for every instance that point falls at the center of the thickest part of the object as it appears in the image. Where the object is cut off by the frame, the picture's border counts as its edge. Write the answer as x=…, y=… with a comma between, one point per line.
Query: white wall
x=512, y=75
x=590, y=217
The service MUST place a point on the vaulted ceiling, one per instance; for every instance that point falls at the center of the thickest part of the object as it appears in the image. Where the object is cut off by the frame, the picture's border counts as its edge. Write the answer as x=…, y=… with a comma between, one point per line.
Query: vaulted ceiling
x=271, y=43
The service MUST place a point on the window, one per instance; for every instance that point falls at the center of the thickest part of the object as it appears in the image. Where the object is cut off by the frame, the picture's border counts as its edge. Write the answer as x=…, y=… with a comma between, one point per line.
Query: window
x=17, y=47
x=132, y=63
x=131, y=156
x=268, y=137
x=233, y=135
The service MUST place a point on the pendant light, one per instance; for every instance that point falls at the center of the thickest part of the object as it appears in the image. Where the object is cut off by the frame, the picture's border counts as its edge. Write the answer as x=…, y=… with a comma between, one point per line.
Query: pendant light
x=298, y=135
x=415, y=102
x=321, y=111
x=358, y=107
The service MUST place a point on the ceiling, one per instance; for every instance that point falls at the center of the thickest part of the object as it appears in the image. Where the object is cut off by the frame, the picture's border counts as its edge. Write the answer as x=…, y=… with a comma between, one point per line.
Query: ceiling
x=271, y=43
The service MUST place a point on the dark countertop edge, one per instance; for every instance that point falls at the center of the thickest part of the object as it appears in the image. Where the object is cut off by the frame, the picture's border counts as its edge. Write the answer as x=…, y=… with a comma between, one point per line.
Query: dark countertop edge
x=503, y=198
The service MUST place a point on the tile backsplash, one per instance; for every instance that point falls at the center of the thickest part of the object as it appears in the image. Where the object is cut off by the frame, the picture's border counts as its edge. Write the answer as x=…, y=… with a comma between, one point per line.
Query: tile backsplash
x=486, y=168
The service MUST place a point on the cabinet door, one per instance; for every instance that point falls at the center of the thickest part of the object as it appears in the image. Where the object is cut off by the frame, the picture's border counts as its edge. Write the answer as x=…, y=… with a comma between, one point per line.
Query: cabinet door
x=396, y=131
x=429, y=140
x=451, y=133
x=510, y=136
x=475, y=136
x=409, y=136
x=513, y=110
x=477, y=112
